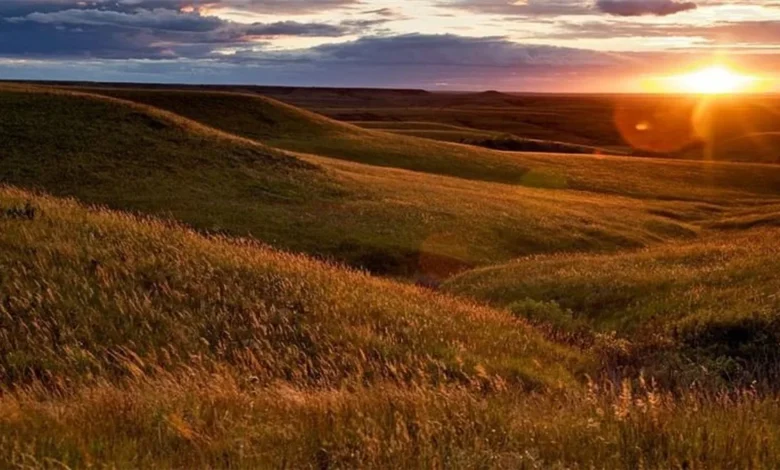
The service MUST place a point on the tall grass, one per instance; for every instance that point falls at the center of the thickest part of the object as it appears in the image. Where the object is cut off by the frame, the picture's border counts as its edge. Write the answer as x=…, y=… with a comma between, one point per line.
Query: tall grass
x=86, y=291
x=206, y=419
x=713, y=302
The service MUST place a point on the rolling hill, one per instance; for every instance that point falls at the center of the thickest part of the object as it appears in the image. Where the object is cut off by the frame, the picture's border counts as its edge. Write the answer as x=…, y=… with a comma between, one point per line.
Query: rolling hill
x=714, y=302
x=283, y=126
x=135, y=343
x=601, y=308
x=135, y=157
x=99, y=300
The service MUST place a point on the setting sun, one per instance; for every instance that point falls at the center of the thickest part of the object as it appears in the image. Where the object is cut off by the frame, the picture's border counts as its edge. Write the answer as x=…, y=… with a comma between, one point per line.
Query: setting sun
x=712, y=80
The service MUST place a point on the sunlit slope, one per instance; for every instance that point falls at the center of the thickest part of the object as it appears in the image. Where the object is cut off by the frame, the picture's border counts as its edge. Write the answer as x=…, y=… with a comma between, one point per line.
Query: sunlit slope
x=725, y=279
x=128, y=156
x=291, y=128
x=132, y=343
x=85, y=290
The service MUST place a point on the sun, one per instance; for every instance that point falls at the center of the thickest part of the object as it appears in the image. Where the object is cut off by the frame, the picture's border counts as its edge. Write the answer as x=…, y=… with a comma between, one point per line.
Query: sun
x=713, y=80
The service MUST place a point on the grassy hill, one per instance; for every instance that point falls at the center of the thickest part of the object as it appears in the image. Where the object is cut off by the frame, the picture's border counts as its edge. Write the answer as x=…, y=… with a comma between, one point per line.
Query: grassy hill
x=135, y=157
x=284, y=126
x=128, y=342
x=94, y=298
x=714, y=301
x=83, y=285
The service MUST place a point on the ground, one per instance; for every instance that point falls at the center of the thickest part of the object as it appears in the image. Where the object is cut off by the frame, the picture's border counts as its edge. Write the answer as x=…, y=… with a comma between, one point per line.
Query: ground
x=209, y=278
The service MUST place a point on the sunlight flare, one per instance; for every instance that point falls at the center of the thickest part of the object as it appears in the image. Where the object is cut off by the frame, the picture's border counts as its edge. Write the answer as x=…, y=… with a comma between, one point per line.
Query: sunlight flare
x=713, y=80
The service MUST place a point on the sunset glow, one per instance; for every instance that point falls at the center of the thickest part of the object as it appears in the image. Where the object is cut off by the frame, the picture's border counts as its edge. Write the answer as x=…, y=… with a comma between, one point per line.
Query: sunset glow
x=712, y=80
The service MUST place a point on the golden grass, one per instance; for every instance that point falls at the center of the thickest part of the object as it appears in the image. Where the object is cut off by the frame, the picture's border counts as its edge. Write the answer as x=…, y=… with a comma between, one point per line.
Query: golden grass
x=85, y=289
x=203, y=419
x=131, y=342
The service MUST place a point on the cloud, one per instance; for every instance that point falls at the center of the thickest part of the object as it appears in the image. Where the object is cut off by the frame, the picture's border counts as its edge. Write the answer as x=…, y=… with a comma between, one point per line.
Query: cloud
x=758, y=33
x=170, y=20
x=409, y=61
x=413, y=60
x=9, y=8
x=523, y=7
x=643, y=7
x=141, y=33
x=161, y=40
x=452, y=50
x=282, y=6
x=293, y=28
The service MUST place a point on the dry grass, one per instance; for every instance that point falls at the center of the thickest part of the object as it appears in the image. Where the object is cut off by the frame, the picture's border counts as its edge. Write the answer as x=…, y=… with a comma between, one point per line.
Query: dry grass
x=83, y=291
x=712, y=303
x=204, y=419
x=133, y=342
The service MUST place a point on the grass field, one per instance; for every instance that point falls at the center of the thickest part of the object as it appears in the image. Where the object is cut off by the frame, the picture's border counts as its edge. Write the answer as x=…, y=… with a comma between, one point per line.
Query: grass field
x=129, y=342
x=138, y=158
x=178, y=289
x=741, y=129
x=278, y=125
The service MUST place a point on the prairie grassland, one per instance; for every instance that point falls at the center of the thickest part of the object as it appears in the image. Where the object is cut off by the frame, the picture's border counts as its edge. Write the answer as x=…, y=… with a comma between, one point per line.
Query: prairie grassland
x=415, y=126
x=133, y=157
x=283, y=126
x=714, y=301
x=84, y=289
x=204, y=419
x=133, y=342
x=740, y=128
x=129, y=342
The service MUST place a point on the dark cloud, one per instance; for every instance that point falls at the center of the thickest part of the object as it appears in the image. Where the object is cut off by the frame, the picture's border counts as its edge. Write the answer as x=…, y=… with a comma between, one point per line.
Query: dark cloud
x=169, y=20
x=644, y=7
x=293, y=28
x=25, y=7
x=415, y=61
x=449, y=50
x=386, y=12
x=141, y=33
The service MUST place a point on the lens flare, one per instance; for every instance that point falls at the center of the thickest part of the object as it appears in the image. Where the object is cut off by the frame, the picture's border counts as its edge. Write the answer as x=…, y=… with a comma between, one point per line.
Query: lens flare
x=712, y=80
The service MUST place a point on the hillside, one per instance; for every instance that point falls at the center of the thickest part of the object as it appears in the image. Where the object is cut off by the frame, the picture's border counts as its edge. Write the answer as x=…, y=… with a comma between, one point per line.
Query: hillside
x=93, y=298
x=228, y=300
x=601, y=307
x=133, y=343
x=715, y=300
x=135, y=157
x=284, y=126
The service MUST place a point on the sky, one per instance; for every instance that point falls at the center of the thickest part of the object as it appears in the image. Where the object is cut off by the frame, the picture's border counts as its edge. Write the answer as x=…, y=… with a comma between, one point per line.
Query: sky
x=510, y=45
